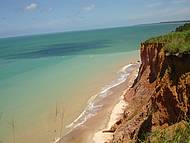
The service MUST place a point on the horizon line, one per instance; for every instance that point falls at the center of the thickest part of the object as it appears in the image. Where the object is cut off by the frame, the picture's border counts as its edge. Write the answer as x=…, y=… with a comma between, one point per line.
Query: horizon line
x=92, y=29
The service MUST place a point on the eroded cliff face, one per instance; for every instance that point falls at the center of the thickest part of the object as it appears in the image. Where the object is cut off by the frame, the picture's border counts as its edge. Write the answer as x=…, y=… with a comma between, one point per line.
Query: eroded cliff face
x=159, y=97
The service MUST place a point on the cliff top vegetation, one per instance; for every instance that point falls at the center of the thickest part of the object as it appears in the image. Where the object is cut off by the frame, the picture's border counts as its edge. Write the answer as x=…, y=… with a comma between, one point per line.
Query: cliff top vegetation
x=177, y=42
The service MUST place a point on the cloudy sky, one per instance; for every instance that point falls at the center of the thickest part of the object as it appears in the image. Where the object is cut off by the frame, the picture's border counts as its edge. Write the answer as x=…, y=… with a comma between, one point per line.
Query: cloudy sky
x=23, y=17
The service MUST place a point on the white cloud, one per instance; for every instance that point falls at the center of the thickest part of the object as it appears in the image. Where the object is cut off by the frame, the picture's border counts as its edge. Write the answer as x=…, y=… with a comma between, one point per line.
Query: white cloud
x=31, y=7
x=89, y=7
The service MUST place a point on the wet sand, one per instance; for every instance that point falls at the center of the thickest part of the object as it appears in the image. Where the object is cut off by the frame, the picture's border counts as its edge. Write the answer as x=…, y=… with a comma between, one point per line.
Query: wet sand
x=116, y=114
x=110, y=112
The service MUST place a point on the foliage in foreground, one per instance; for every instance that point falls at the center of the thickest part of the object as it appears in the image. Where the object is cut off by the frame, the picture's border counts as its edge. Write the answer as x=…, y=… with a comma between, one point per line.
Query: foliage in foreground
x=178, y=135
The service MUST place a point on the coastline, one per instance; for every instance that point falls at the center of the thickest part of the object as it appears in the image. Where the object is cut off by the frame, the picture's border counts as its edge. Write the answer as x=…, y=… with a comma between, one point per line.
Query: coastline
x=107, y=108
x=65, y=79
x=105, y=135
x=67, y=83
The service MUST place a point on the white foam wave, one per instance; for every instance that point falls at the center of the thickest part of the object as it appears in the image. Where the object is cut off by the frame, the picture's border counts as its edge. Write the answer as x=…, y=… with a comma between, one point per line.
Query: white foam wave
x=56, y=140
x=92, y=108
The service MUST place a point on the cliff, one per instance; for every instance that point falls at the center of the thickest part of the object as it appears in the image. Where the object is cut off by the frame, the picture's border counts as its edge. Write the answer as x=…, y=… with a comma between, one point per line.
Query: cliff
x=159, y=98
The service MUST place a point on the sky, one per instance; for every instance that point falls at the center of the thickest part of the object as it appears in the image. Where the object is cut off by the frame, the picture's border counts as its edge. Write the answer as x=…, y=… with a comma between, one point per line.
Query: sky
x=25, y=17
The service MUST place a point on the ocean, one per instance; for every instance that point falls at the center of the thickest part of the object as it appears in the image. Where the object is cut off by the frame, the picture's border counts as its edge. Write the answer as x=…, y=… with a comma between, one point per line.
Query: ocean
x=46, y=81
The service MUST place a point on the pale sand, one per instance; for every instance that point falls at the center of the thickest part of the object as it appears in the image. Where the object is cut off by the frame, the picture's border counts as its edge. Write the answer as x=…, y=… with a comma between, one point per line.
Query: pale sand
x=116, y=114
x=113, y=107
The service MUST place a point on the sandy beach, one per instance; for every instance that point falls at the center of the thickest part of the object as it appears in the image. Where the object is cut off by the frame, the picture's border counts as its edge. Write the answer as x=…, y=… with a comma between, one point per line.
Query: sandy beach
x=107, y=109
x=104, y=135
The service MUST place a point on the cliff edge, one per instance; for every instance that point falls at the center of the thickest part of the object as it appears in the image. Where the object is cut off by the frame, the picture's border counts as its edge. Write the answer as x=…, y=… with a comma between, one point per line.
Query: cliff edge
x=159, y=99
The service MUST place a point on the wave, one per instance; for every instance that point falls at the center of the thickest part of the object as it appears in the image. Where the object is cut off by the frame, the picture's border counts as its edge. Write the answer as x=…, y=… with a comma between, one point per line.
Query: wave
x=93, y=105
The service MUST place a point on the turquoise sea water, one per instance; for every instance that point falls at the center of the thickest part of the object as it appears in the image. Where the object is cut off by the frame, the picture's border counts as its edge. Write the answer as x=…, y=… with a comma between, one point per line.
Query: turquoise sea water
x=40, y=75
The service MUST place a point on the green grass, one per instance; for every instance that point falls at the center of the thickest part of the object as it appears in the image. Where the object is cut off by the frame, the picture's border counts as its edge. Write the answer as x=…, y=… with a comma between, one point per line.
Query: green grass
x=177, y=42
x=179, y=135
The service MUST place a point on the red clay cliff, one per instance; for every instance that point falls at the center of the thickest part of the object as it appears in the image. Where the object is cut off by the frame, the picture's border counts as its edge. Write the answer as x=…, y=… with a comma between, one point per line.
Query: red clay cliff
x=159, y=97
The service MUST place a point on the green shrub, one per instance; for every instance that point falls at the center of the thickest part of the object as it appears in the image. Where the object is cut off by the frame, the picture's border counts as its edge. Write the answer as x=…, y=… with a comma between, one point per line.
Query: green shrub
x=175, y=42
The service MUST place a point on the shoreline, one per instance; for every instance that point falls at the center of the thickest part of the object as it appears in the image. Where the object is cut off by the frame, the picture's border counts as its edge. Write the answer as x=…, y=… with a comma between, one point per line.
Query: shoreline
x=117, y=80
x=108, y=104
x=67, y=82
x=105, y=134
